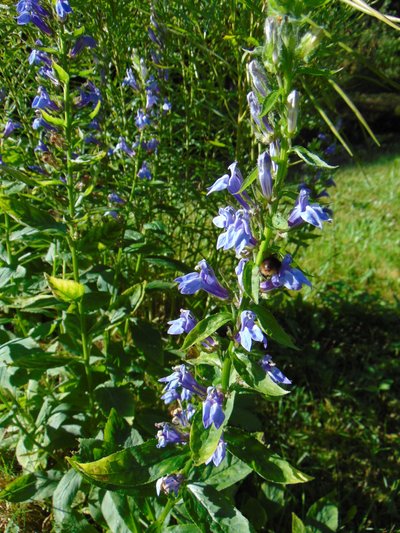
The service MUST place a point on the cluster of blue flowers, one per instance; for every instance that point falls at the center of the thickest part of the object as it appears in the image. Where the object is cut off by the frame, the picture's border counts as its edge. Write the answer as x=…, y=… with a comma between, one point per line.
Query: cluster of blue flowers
x=144, y=84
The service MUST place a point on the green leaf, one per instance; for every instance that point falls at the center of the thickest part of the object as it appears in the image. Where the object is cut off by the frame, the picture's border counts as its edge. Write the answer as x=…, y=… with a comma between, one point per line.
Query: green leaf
x=26, y=213
x=148, y=340
x=117, y=513
x=255, y=377
x=205, y=328
x=182, y=528
x=268, y=465
x=86, y=159
x=271, y=327
x=269, y=102
x=251, y=281
x=249, y=180
x=116, y=431
x=66, y=290
x=168, y=262
x=323, y=517
x=310, y=158
x=133, y=466
x=33, y=486
x=111, y=396
x=223, y=515
x=95, y=111
x=203, y=442
x=18, y=175
x=297, y=525
x=61, y=74
x=26, y=353
x=230, y=471
x=51, y=119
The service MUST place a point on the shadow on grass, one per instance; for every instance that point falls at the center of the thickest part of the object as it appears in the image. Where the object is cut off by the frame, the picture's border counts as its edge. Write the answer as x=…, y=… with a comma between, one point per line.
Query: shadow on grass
x=341, y=423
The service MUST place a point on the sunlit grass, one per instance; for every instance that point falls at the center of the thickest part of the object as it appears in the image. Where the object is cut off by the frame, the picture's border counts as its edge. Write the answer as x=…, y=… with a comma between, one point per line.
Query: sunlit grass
x=361, y=246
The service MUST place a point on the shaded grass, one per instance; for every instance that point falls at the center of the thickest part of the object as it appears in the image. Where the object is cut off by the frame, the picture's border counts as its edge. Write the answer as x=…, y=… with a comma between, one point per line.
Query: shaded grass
x=361, y=246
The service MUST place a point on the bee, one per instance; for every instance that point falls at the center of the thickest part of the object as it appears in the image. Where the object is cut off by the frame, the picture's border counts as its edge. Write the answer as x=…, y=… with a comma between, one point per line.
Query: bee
x=270, y=266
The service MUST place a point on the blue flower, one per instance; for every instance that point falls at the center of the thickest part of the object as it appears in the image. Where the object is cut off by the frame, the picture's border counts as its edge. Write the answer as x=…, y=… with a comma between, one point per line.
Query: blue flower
x=219, y=455
x=63, y=9
x=32, y=11
x=41, y=147
x=249, y=331
x=168, y=484
x=167, y=106
x=122, y=145
x=169, y=435
x=293, y=110
x=181, y=417
x=114, y=198
x=144, y=171
x=10, y=127
x=181, y=377
x=37, y=56
x=130, y=80
x=49, y=74
x=233, y=183
x=237, y=232
x=291, y=278
x=40, y=122
x=154, y=38
x=142, y=120
x=303, y=211
x=151, y=99
x=264, y=174
x=185, y=323
x=84, y=41
x=150, y=146
x=212, y=408
x=274, y=373
x=89, y=94
x=43, y=101
x=204, y=279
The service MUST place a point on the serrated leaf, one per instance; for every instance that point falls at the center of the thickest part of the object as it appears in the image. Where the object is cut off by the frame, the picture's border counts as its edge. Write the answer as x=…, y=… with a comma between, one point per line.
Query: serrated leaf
x=133, y=466
x=66, y=290
x=251, y=281
x=229, y=472
x=255, y=377
x=249, y=180
x=219, y=509
x=260, y=458
x=205, y=328
x=61, y=74
x=310, y=158
x=51, y=119
x=269, y=102
x=271, y=327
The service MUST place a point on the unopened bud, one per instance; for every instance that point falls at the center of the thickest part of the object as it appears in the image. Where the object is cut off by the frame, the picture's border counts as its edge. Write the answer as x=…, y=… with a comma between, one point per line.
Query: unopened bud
x=258, y=78
x=264, y=174
x=293, y=110
x=308, y=44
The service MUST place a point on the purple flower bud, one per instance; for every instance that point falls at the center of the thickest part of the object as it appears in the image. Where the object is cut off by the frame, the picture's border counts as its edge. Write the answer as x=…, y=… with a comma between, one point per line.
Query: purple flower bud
x=84, y=41
x=156, y=40
x=170, y=435
x=219, y=455
x=49, y=74
x=264, y=174
x=151, y=99
x=40, y=122
x=166, y=106
x=212, y=408
x=255, y=111
x=10, y=127
x=89, y=94
x=274, y=373
x=112, y=214
x=38, y=170
x=168, y=484
x=258, y=78
x=205, y=279
x=26, y=17
x=150, y=146
x=37, y=56
x=249, y=331
x=239, y=272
